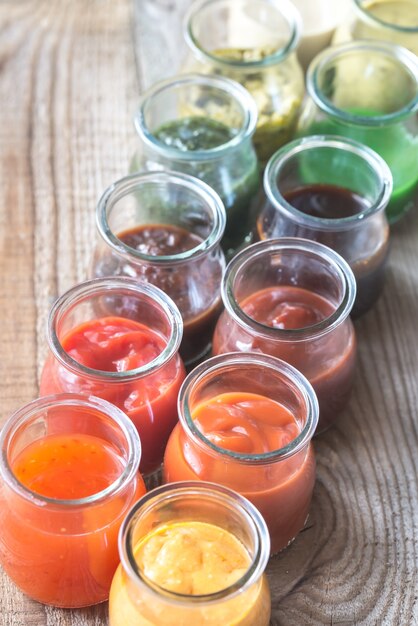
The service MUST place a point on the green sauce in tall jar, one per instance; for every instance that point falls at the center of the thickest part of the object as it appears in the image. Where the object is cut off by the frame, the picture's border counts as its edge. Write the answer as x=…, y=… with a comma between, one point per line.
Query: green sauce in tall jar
x=203, y=126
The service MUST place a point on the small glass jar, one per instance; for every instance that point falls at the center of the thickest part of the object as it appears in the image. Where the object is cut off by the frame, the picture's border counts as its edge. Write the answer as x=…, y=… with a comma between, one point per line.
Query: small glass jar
x=279, y=482
x=385, y=20
x=335, y=191
x=118, y=339
x=291, y=298
x=64, y=551
x=165, y=228
x=253, y=42
x=138, y=601
x=368, y=91
x=203, y=126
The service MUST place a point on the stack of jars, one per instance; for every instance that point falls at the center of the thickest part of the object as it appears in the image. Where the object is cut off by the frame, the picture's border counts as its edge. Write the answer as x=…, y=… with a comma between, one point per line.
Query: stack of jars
x=267, y=339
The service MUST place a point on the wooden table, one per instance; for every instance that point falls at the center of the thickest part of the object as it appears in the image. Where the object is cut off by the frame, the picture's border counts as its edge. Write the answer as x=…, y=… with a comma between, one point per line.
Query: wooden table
x=69, y=85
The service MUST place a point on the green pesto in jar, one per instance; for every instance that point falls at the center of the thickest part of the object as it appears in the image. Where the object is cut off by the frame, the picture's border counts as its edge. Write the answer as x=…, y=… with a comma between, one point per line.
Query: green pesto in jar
x=277, y=90
x=194, y=133
x=235, y=175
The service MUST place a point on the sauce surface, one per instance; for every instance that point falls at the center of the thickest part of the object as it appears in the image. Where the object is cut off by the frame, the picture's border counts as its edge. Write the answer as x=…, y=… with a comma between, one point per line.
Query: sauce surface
x=287, y=308
x=326, y=201
x=160, y=239
x=246, y=423
x=113, y=344
x=194, y=133
x=67, y=466
x=192, y=558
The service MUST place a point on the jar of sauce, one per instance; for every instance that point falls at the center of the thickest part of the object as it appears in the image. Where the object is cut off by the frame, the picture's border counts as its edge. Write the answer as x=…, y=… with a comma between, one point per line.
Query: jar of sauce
x=246, y=422
x=335, y=191
x=385, y=20
x=192, y=553
x=368, y=91
x=203, y=126
x=291, y=298
x=165, y=228
x=118, y=339
x=69, y=475
x=253, y=42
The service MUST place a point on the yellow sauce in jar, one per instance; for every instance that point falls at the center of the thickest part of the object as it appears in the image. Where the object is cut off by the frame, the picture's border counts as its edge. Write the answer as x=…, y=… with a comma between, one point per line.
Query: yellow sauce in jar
x=192, y=559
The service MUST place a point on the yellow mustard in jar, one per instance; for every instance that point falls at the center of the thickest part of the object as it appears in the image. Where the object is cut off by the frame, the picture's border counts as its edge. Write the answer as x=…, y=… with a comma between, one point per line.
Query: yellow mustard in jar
x=189, y=572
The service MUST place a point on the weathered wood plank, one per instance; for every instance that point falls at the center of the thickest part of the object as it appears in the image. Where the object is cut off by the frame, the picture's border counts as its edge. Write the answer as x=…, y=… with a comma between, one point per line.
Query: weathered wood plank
x=68, y=90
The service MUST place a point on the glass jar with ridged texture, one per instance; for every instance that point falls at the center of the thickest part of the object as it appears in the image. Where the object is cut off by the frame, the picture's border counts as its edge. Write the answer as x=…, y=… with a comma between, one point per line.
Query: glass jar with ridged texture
x=165, y=228
x=69, y=475
x=368, y=91
x=203, y=126
x=246, y=422
x=118, y=339
x=291, y=298
x=332, y=190
x=384, y=20
x=253, y=42
x=192, y=553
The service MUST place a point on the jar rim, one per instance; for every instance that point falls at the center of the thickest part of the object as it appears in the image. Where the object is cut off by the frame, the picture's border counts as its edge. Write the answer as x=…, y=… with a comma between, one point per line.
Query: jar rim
x=297, y=245
x=373, y=19
x=221, y=83
x=315, y=142
x=404, y=57
x=240, y=359
x=28, y=411
x=171, y=492
x=286, y=9
x=84, y=290
x=127, y=185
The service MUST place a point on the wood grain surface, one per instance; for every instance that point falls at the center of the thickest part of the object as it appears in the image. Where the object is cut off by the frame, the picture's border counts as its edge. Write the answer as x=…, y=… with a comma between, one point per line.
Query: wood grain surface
x=70, y=75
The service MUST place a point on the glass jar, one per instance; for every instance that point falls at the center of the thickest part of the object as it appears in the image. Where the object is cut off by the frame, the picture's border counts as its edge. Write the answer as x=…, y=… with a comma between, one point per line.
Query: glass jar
x=58, y=549
x=250, y=398
x=203, y=126
x=138, y=600
x=118, y=339
x=368, y=91
x=335, y=191
x=165, y=228
x=385, y=20
x=292, y=298
x=252, y=42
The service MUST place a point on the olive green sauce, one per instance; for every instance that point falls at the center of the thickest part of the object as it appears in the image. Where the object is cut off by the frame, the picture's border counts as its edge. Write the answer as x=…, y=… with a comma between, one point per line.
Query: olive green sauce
x=195, y=133
x=277, y=95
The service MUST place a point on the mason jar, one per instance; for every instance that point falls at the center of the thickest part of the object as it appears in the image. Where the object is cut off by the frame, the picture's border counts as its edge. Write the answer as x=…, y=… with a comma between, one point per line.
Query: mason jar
x=253, y=42
x=332, y=190
x=165, y=228
x=203, y=126
x=246, y=422
x=69, y=475
x=368, y=91
x=385, y=20
x=192, y=553
x=118, y=339
x=292, y=298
